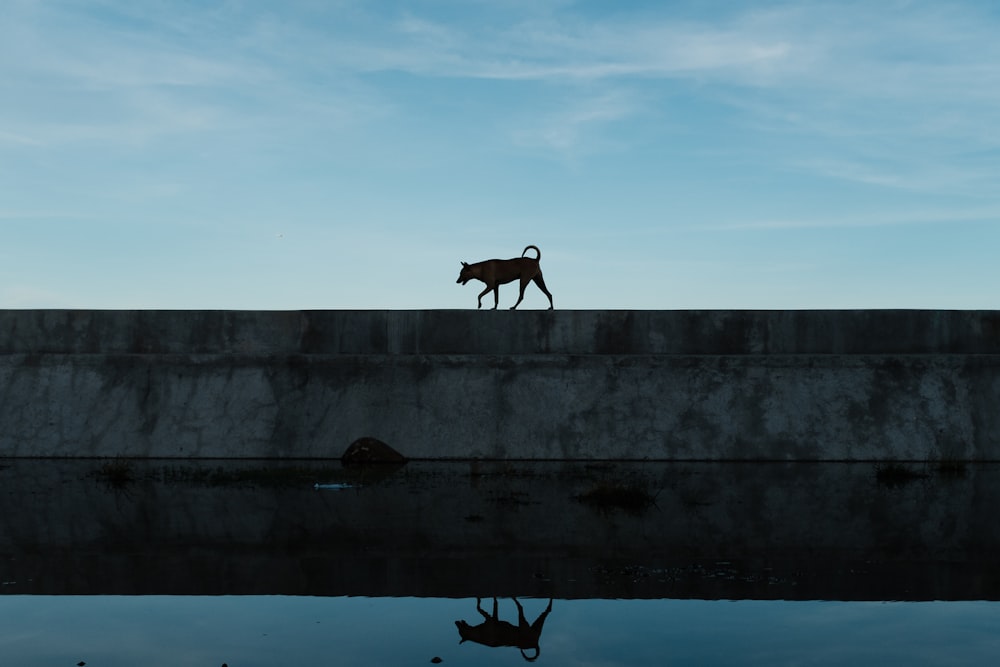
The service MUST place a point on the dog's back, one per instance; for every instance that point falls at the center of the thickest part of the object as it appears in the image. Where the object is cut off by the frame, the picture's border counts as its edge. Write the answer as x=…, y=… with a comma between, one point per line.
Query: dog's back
x=493, y=633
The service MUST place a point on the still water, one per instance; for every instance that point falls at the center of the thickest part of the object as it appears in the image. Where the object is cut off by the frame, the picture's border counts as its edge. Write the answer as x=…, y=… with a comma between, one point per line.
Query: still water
x=264, y=631
x=262, y=564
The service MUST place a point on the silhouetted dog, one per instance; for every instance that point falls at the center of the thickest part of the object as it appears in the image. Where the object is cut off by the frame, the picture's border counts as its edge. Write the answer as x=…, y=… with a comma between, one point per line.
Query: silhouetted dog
x=496, y=272
x=494, y=632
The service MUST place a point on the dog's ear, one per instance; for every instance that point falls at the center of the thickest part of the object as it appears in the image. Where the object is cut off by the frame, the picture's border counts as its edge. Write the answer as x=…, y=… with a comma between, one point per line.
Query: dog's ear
x=465, y=264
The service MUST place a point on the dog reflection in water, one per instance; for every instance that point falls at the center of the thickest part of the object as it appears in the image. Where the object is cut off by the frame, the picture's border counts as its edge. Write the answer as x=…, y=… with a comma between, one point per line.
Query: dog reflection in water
x=494, y=632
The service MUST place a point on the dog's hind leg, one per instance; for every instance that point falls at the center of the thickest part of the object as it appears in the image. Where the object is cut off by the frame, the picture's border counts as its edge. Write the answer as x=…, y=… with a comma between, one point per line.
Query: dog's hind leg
x=541, y=285
x=520, y=297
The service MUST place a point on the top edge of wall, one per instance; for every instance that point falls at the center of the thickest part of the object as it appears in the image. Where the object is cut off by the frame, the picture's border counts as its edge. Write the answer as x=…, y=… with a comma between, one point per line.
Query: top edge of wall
x=622, y=332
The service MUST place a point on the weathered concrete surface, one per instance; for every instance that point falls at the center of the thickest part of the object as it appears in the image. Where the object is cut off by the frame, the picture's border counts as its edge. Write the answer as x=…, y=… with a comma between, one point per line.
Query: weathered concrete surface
x=717, y=530
x=679, y=385
x=470, y=332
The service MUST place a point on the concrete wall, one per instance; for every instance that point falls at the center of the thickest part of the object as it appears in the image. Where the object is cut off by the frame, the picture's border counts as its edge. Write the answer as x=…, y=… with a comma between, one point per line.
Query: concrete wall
x=680, y=385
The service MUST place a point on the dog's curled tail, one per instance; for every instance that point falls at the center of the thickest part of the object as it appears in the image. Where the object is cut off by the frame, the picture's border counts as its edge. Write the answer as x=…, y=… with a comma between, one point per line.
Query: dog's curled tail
x=535, y=249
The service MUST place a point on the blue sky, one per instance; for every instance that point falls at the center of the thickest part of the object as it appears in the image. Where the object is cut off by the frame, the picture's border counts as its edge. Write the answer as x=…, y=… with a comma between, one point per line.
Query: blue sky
x=341, y=154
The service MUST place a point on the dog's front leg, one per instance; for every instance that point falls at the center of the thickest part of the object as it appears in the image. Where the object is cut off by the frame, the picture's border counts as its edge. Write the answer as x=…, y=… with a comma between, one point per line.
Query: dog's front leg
x=479, y=608
x=482, y=294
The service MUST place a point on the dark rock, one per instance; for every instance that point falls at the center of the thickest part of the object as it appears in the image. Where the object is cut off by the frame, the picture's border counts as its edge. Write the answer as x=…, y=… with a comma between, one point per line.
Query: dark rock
x=371, y=450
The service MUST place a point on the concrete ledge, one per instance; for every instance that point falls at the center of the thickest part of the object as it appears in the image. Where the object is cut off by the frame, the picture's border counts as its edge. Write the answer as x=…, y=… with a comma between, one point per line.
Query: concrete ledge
x=431, y=332
x=670, y=385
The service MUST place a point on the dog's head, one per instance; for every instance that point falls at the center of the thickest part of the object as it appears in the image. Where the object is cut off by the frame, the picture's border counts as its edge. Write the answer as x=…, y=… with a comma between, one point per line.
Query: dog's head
x=466, y=274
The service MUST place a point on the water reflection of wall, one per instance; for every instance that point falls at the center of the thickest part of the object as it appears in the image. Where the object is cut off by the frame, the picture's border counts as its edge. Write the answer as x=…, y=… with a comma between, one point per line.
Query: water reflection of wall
x=715, y=530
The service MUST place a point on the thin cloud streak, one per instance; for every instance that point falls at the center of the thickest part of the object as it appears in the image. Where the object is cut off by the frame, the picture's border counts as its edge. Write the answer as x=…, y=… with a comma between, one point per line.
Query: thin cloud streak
x=810, y=47
x=564, y=131
x=862, y=221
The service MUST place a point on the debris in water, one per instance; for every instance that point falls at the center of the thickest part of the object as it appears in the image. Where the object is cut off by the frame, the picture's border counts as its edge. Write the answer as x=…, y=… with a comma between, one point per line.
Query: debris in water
x=338, y=486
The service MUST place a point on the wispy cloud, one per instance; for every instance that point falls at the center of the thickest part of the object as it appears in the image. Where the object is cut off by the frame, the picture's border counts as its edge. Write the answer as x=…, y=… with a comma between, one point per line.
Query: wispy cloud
x=912, y=75
x=566, y=129
x=954, y=175
x=814, y=56
x=883, y=94
x=562, y=48
x=896, y=218
x=17, y=139
x=587, y=50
